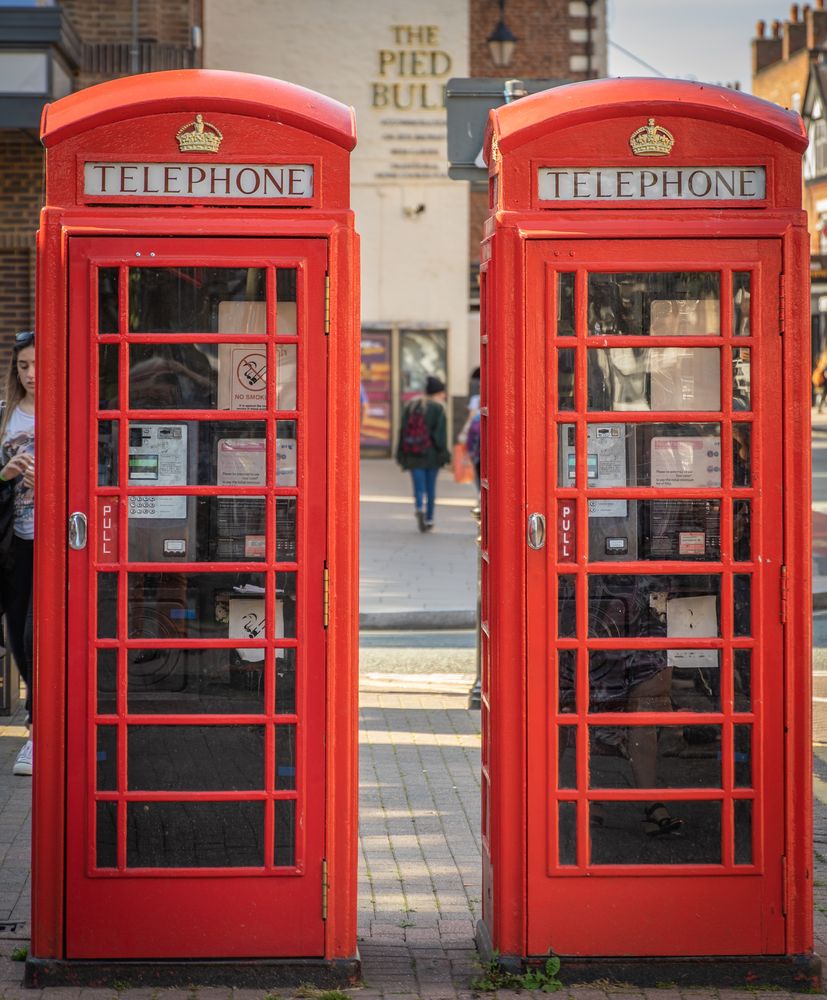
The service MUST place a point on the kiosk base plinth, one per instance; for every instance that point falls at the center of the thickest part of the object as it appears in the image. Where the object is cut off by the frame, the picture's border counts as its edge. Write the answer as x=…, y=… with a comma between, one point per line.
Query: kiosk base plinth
x=797, y=973
x=252, y=974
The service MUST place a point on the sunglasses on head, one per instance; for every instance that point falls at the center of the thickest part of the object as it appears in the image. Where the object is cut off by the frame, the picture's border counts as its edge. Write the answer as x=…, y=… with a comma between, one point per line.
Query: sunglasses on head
x=24, y=339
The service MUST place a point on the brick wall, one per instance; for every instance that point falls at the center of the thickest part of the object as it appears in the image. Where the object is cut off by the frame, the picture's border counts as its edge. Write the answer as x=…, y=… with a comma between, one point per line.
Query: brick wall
x=111, y=20
x=21, y=189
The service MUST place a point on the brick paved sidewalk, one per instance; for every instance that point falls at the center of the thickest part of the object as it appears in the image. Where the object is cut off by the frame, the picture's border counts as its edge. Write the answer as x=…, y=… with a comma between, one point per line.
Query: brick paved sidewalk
x=419, y=875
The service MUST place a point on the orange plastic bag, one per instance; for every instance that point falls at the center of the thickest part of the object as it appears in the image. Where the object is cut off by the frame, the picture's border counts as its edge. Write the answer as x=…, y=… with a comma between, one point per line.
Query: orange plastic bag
x=462, y=465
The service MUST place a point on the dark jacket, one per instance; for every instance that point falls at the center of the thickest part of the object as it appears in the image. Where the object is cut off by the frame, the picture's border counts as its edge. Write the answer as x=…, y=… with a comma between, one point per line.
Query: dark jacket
x=437, y=455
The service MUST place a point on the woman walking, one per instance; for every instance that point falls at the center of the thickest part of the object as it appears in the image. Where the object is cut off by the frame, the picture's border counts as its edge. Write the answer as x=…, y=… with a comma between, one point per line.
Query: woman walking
x=422, y=447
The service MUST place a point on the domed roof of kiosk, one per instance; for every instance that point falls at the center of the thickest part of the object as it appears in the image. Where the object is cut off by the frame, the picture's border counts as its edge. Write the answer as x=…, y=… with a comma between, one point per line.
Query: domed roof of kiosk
x=596, y=100
x=194, y=90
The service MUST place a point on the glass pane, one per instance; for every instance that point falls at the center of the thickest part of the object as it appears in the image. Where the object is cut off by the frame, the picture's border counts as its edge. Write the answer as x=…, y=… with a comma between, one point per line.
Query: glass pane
x=565, y=305
x=107, y=681
x=197, y=300
x=108, y=299
x=285, y=757
x=566, y=663
x=166, y=606
x=106, y=834
x=647, y=756
x=195, y=758
x=421, y=353
x=286, y=453
x=285, y=682
x=743, y=679
x=285, y=376
x=740, y=303
x=684, y=530
x=108, y=452
x=742, y=454
x=284, y=854
x=195, y=834
x=286, y=302
x=567, y=835
x=743, y=831
x=658, y=378
x=653, y=680
x=669, y=456
x=741, y=530
x=656, y=303
x=286, y=529
x=743, y=756
x=107, y=758
x=741, y=379
x=742, y=599
x=108, y=376
x=566, y=607
x=107, y=605
x=678, y=606
x=567, y=757
x=565, y=378
x=171, y=681
x=627, y=836
x=285, y=605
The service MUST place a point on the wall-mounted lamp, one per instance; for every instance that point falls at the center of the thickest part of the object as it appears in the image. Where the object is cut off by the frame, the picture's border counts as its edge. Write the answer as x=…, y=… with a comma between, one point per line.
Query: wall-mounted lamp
x=413, y=211
x=501, y=41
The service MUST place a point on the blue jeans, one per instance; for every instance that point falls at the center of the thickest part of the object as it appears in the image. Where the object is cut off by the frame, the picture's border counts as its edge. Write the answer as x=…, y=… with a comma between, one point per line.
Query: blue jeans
x=424, y=489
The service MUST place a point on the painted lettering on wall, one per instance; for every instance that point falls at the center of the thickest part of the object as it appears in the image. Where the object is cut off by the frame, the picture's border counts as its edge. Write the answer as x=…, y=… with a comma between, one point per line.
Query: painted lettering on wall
x=730, y=183
x=411, y=70
x=204, y=181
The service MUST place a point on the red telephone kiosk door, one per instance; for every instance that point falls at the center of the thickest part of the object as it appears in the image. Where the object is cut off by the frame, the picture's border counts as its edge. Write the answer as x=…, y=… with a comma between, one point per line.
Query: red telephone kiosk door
x=655, y=692
x=196, y=698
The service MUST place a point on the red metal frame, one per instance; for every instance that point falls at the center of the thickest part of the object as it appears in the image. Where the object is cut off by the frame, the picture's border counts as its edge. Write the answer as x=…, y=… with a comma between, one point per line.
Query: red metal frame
x=256, y=116
x=530, y=902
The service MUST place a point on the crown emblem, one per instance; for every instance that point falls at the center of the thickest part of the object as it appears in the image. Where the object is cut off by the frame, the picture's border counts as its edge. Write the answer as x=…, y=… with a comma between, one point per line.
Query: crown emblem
x=198, y=137
x=651, y=140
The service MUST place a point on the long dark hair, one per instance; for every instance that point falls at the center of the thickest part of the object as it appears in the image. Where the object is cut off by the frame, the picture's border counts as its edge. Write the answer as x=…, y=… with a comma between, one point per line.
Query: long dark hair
x=14, y=387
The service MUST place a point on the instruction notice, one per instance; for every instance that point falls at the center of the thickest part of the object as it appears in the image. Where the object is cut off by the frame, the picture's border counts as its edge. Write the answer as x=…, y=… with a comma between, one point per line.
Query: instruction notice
x=692, y=618
x=693, y=462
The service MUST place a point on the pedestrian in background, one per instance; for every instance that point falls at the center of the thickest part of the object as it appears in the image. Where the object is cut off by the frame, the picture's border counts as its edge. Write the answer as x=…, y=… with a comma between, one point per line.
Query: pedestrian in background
x=422, y=447
x=820, y=379
x=17, y=520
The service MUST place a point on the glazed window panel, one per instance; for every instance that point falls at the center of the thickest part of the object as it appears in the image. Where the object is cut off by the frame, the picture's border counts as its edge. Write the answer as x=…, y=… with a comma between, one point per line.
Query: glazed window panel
x=652, y=680
x=659, y=378
x=173, y=758
x=683, y=606
x=621, y=834
x=680, y=530
x=565, y=304
x=654, y=303
x=655, y=756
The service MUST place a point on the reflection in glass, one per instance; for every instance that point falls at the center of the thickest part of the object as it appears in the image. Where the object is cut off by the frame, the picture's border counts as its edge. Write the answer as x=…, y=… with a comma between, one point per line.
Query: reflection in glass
x=286, y=302
x=741, y=454
x=286, y=453
x=108, y=376
x=106, y=834
x=285, y=757
x=108, y=452
x=286, y=681
x=676, y=606
x=169, y=681
x=195, y=758
x=741, y=379
x=696, y=683
x=566, y=664
x=565, y=304
x=174, y=376
x=170, y=605
x=742, y=600
x=567, y=757
x=566, y=607
x=743, y=679
x=741, y=530
x=614, y=763
x=620, y=839
x=285, y=376
x=284, y=854
x=567, y=835
x=285, y=605
x=684, y=530
x=108, y=282
x=195, y=834
x=741, y=303
x=197, y=300
x=669, y=456
x=107, y=686
x=742, y=736
x=657, y=378
x=565, y=378
x=743, y=831
x=614, y=674
x=107, y=605
x=106, y=752
x=286, y=529
x=656, y=303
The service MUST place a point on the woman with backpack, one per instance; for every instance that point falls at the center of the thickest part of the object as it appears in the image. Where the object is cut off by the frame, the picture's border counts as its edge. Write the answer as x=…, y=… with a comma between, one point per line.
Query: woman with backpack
x=422, y=447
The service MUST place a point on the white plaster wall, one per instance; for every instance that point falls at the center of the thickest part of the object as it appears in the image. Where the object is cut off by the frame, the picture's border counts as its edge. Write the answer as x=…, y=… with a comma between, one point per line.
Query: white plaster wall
x=414, y=266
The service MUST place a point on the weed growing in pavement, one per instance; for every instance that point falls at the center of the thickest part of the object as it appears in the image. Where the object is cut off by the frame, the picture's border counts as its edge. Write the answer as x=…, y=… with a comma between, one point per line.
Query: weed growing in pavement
x=272, y=996
x=20, y=954
x=820, y=857
x=310, y=992
x=543, y=978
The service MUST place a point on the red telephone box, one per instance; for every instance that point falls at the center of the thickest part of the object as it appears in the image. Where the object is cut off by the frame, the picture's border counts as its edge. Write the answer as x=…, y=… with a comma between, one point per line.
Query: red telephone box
x=197, y=535
x=646, y=555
